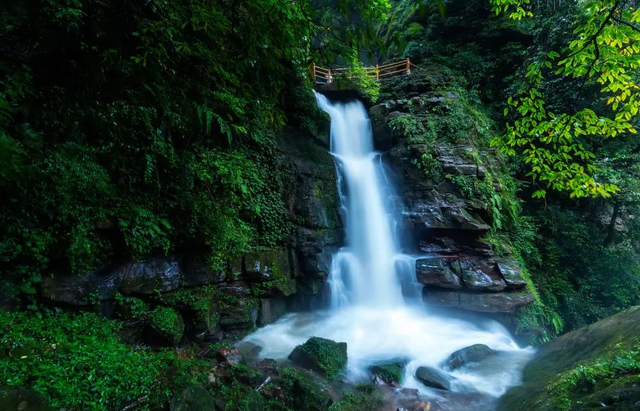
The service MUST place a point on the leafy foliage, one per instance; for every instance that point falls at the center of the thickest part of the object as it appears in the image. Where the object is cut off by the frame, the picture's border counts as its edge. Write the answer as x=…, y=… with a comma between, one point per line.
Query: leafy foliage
x=585, y=377
x=141, y=127
x=604, y=51
x=77, y=362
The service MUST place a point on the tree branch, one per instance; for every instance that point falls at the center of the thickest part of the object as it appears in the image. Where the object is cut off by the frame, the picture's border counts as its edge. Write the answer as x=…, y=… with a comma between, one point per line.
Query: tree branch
x=626, y=23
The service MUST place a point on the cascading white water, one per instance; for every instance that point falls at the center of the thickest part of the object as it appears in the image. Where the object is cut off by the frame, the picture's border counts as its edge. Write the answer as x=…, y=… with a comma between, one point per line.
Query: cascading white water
x=373, y=288
x=364, y=271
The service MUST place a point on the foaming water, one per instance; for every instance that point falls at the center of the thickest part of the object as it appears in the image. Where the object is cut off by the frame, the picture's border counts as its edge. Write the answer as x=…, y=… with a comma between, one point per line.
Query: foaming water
x=375, y=304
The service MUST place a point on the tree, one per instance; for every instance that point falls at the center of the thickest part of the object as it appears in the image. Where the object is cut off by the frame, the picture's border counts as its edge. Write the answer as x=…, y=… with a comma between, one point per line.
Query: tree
x=558, y=146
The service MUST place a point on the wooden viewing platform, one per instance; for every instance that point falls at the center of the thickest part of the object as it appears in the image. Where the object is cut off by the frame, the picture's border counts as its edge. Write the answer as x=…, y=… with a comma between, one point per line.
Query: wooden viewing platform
x=321, y=75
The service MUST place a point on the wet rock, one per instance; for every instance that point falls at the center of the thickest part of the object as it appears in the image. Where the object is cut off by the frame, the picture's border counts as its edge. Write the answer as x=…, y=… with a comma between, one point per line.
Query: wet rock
x=511, y=273
x=307, y=391
x=392, y=372
x=196, y=273
x=409, y=392
x=377, y=380
x=194, y=398
x=505, y=302
x=271, y=309
x=152, y=275
x=321, y=355
x=437, y=272
x=268, y=365
x=433, y=377
x=229, y=355
x=238, y=289
x=240, y=314
x=21, y=399
x=475, y=278
x=472, y=354
x=80, y=290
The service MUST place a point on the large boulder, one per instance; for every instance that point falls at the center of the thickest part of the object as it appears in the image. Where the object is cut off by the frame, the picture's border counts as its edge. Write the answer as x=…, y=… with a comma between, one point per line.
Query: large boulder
x=80, y=290
x=433, y=377
x=592, y=368
x=321, y=355
x=465, y=356
x=271, y=309
x=151, y=276
x=306, y=391
x=194, y=398
x=391, y=372
x=197, y=272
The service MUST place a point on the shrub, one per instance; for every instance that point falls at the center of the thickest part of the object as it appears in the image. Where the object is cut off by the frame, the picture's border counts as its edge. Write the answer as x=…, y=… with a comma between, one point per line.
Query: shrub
x=77, y=362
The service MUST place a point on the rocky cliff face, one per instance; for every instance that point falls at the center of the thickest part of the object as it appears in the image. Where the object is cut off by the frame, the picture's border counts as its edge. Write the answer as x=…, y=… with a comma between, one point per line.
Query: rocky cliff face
x=255, y=289
x=448, y=190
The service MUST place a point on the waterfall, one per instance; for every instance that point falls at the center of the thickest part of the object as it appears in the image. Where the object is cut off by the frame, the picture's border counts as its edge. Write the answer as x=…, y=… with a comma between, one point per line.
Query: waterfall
x=364, y=271
x=375, y=300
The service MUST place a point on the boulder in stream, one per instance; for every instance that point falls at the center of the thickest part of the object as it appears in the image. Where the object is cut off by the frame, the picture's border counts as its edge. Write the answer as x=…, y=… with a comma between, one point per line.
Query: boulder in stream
x=472, y=354
x=391, y=372
x=321, y=355
x=433, y=377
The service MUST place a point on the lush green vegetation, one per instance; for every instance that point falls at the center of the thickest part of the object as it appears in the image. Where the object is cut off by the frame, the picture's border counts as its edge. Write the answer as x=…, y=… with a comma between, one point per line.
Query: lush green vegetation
x=602, y=53
x=78, y=362
x=129, y=128
x=585, y=377
x=133, y=128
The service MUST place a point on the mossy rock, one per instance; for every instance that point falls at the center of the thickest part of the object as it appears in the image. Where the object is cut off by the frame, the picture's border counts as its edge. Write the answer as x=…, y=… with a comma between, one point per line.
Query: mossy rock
x=472, y=354
x=364, y=398
x=390, y=373
x=194, y=398
x=165, y=327
x=305, y=391
x=321, y=355
x=595, y=352
x=242, y=313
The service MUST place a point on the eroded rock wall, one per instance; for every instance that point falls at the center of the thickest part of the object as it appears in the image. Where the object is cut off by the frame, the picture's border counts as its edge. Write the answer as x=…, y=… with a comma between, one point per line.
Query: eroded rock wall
x=448, y=186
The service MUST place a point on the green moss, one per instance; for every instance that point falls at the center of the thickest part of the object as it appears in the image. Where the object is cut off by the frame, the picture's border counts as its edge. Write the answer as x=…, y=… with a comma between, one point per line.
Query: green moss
x=131, y=307
x=390, y=373
x=365, y=398
x=305, y=391
x=573, y=386
x=322, y=355
x=167, y=324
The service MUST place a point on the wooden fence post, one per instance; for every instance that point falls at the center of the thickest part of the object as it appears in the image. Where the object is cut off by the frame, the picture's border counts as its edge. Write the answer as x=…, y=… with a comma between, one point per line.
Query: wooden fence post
x=408, y=66
x=312, y=69
x=377, y=72
x=329, y=79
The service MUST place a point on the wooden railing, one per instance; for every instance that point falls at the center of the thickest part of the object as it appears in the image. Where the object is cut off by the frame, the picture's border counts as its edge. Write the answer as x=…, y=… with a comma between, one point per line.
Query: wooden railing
x=321, y=75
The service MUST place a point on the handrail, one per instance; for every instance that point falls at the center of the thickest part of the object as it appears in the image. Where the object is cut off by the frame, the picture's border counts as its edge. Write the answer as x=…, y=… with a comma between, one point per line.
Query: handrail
x=322, y=75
